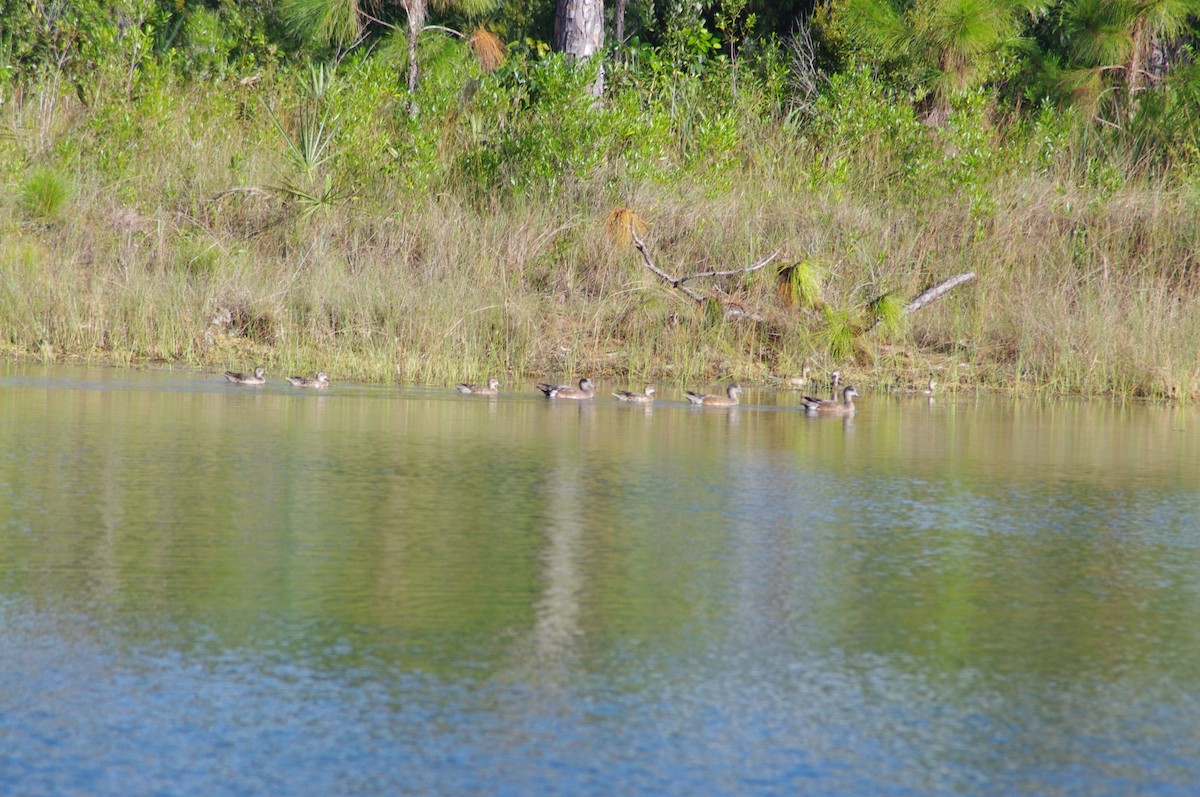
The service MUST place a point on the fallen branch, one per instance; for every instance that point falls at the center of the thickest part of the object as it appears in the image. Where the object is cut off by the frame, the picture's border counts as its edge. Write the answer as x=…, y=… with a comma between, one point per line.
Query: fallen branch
x=934, y=293
x=755, y=267
x=730, y=312
x=248, y=189
x=937, y=291
x=733, y=311
x=641, y=247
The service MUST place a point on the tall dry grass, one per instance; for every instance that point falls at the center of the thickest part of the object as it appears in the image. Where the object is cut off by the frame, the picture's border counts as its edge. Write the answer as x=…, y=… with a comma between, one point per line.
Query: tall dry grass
x=183, y=241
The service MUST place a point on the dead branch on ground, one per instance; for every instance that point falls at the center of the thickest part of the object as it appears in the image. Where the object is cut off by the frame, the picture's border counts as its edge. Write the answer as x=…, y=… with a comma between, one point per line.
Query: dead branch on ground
x=937, y=291
x=933, y=294
x=730, y=312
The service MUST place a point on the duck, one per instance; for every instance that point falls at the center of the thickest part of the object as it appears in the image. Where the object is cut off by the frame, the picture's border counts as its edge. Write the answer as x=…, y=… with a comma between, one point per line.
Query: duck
x=730, y=399
x=795, y=381
x=259, y=377
x=832, y=406
x=835, y=379
x=491, y=389
x=642, y=398
x=319, y=382
x=585, y=390
x=802, y=380
x=911, y=390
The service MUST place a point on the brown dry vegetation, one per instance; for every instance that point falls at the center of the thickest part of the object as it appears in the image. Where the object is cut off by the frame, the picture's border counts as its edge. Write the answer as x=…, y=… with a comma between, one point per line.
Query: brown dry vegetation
x=189, y=236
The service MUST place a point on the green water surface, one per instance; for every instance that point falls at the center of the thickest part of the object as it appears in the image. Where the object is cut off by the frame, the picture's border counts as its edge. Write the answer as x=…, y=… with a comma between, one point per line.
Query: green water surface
x=207, y=588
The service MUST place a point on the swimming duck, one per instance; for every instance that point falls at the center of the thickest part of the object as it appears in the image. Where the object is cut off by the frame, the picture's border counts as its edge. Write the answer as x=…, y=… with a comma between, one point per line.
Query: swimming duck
x=927, y=390
x=259, y=377
x=709, y=400
x=794, y=381
x=643, y=398
x=319, y=382
x=832, y=406
x=835, y=379
x=492, y=388
x=802, y=380
x=585, y=390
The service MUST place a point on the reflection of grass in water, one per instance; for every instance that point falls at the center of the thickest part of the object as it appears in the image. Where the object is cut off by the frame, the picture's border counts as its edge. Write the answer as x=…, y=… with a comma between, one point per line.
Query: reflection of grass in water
x=347, y=534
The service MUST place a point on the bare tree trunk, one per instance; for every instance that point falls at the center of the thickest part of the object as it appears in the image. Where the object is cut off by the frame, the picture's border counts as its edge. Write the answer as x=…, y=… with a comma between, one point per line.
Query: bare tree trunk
x=1138, y=59
x=579, y=32
x=416, y=11
x=621, y=6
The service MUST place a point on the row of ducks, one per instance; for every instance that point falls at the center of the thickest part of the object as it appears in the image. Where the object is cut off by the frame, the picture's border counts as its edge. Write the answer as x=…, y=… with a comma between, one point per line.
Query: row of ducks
x=259, y=377
x=586, y=390
x=835, y=379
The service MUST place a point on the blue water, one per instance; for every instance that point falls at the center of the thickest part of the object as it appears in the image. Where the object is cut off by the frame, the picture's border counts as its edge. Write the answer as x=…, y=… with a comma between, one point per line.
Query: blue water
x=86, y=720
x=205, y=591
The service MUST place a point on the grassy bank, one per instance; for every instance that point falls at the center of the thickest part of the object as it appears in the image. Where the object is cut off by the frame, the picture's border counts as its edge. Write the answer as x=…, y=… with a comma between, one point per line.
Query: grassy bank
x=307, y=220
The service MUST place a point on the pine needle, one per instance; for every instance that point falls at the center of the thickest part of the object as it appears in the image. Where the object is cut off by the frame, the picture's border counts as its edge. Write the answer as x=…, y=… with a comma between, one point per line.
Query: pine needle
x=488, y=49
x=888, y=312
x=623, y=225
x=801, y=283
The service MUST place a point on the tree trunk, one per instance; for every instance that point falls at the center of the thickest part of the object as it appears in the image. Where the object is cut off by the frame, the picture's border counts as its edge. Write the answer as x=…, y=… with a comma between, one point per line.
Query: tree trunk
x=621, y=6
x=415, y=10
x=1137, y=60
x=579, y=32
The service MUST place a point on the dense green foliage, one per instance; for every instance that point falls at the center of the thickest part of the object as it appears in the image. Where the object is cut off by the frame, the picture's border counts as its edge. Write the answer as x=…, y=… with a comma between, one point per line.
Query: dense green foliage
x=209, y=182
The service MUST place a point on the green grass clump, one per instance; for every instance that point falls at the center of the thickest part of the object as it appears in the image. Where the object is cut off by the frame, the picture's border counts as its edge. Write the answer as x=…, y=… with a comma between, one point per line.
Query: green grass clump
x=45, y=194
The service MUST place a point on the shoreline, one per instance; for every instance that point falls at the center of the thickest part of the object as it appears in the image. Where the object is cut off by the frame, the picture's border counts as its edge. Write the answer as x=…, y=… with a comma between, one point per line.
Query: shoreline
x=746, y=256
x=872, y=381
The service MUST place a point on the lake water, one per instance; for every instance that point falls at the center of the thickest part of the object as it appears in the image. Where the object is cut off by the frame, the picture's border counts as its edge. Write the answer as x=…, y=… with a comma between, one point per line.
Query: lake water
x=214, y=590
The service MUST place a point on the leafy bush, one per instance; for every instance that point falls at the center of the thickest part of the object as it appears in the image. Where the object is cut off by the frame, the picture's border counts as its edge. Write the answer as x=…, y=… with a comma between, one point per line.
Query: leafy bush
x=535, y=124
x=232, y=38
x=862, y=129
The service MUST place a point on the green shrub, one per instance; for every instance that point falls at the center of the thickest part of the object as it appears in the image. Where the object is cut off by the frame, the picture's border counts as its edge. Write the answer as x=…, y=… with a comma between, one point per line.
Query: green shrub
x=865, y=131
x=45, y=194
x=534, y=124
